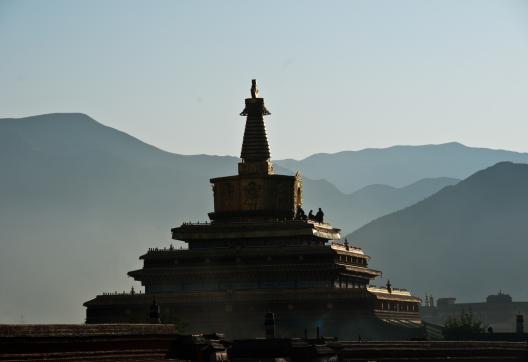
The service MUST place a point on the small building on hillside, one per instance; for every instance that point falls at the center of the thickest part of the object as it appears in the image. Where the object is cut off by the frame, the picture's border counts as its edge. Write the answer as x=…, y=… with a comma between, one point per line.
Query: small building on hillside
x=499, y=311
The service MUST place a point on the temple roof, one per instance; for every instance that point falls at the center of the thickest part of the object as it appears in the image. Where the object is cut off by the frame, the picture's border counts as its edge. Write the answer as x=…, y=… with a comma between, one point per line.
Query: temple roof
x=349, y=250
x=395, y=294
x=244, y=230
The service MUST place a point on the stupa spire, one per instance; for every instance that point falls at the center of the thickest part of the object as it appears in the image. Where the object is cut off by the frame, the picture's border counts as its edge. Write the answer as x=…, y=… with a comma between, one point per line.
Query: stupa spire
x=255, y=153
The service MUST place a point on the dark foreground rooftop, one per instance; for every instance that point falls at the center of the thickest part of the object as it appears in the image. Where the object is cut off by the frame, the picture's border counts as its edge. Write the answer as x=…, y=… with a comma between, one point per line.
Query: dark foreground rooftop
x=101, y=342
x=151, y=342
x=84, y=330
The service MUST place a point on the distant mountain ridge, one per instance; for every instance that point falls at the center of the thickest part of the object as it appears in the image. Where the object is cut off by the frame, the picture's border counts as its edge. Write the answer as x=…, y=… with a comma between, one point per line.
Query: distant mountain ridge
x=81, y=202
x=465, y=241
x=354, y=210
x=399, y=165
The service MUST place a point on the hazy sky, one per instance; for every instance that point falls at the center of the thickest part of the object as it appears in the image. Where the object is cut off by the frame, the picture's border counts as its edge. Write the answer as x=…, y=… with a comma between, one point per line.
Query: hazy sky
x=335, y=75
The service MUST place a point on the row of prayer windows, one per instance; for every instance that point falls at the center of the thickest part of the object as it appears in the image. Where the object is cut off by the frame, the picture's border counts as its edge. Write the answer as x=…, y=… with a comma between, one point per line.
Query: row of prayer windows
x=352, y=259
x=398, y=306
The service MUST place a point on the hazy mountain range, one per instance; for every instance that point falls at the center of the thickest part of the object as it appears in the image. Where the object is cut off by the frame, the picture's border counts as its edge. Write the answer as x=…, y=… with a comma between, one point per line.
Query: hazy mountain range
x=465, y=241
x=399, y=165
x=80, y=202
x=351, y=211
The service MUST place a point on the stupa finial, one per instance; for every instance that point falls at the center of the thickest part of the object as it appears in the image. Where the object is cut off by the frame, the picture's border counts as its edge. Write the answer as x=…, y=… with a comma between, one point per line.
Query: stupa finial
x=254, y=89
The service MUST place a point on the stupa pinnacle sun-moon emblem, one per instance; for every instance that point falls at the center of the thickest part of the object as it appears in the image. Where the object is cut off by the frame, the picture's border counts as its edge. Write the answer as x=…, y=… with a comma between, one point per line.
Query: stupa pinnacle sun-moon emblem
x=261, y=253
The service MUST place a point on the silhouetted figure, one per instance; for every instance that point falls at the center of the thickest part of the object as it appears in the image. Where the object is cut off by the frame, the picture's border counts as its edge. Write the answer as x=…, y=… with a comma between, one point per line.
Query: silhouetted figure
x=346, y=244
x=311, y=215
x=389, y=286
x=490, y=329
x=359, y=337
x=155, y=312
x=319, y=217
x=300, y=214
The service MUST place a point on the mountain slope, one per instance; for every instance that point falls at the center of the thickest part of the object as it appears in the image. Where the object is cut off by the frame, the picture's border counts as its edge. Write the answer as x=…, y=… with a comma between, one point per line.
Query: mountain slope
x=80, y=202
x=399, y=165
x=350, y=212
x=466, y=241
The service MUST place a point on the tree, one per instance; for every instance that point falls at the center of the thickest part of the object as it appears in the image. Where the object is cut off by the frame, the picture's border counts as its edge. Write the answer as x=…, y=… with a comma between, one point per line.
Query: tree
x=463, y=327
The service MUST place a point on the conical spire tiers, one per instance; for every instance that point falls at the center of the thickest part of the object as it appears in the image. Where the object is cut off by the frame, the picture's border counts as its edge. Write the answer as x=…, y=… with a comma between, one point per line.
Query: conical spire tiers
x=255, y=153
x=255, y=145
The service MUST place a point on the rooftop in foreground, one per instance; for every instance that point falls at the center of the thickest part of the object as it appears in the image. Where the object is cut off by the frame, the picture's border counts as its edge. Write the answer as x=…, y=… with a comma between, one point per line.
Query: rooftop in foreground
x=158, y=342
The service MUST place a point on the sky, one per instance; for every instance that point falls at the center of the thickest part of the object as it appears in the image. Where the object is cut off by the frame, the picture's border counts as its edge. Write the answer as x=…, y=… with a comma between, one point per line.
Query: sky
x=336, y=75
